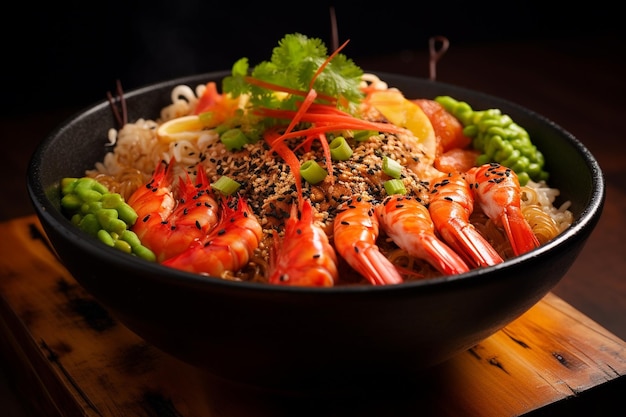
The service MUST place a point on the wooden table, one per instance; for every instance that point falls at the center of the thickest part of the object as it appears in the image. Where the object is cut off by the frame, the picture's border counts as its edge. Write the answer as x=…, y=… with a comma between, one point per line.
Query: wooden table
x=68, y=349
x=566, y=354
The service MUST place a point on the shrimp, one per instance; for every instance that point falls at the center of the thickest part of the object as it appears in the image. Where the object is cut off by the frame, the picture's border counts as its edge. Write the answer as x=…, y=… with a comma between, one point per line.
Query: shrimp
x=356, y=229
x=497, y=191
x=304, y=257
x=407, y=221
x=450, y=206
x=169, y=219
x=228, y=247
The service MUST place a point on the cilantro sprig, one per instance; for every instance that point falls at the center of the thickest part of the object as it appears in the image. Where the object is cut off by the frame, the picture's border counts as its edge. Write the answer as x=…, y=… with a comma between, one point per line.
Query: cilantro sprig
x=294, y=65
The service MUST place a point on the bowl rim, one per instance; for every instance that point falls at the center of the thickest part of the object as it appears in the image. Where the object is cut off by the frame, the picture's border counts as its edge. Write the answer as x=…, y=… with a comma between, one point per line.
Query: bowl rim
x=45, y=208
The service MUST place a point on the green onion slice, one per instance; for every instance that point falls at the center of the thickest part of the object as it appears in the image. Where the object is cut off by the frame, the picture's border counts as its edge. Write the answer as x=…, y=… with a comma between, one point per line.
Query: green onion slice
x=340, y=149
x=233, y=139
x=226, y=185
x=363, y=135
x=206, y=118
x=312, y=172
x=391, y=167
x=394, y=186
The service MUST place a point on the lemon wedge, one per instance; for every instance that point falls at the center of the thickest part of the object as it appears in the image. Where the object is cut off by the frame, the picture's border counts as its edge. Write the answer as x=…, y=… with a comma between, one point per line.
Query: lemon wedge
x=404, y=113
x=180, y=128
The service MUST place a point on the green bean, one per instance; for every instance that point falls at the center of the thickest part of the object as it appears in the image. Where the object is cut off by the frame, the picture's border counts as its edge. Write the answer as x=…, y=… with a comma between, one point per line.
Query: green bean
x=90, y=224
x=71, y=202
x=67, y=185
x=109, y=220
x=102, y=214
x=105, y=237
x=130, y=237
x=111, y=201
x=499, y=139
x=123, y=246
x=144, y=253
x=125, y=212
x=87, y=190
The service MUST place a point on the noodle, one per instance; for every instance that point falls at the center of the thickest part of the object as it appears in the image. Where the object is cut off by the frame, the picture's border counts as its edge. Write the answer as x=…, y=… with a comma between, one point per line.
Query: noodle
x=542, y=224
x=494, y=235
x=542, y=198
x=419, y=269
x=124, y=183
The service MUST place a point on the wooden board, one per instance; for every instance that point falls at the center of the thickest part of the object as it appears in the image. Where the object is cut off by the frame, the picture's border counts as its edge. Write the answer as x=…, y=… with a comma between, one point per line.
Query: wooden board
x=73, y=359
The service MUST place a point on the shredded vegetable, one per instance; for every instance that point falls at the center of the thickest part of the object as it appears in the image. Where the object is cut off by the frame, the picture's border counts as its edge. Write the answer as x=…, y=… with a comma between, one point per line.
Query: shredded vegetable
x=312, y=172
x=394, y=186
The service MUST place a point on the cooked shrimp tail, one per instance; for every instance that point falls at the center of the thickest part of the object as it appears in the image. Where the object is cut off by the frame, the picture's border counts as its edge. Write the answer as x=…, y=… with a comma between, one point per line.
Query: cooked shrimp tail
x=470, y=244
x=518, y=231
x=356, y=229
x=450, y=206
x=439, y=255
x=304, y=256
x=408, y=223
x=228, y=248
x=497, y=190
x=170, y=217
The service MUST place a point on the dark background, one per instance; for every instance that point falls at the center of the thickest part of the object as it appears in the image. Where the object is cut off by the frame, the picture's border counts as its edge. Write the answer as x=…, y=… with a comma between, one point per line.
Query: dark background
x=71, y=54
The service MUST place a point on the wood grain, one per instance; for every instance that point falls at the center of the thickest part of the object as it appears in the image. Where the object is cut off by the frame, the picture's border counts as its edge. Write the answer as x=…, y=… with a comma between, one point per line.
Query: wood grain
x=77, y=360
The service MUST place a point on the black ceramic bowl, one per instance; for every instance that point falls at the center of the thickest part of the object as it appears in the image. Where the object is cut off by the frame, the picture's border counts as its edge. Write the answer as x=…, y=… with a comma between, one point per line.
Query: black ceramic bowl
x=298, y=338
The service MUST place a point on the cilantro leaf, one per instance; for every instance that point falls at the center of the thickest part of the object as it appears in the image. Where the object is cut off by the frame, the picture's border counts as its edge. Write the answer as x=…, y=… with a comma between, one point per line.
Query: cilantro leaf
x=293, y=65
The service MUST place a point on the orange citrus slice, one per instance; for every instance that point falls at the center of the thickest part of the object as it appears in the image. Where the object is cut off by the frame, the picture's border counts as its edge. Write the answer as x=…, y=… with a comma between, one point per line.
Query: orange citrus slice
x=404, y=113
